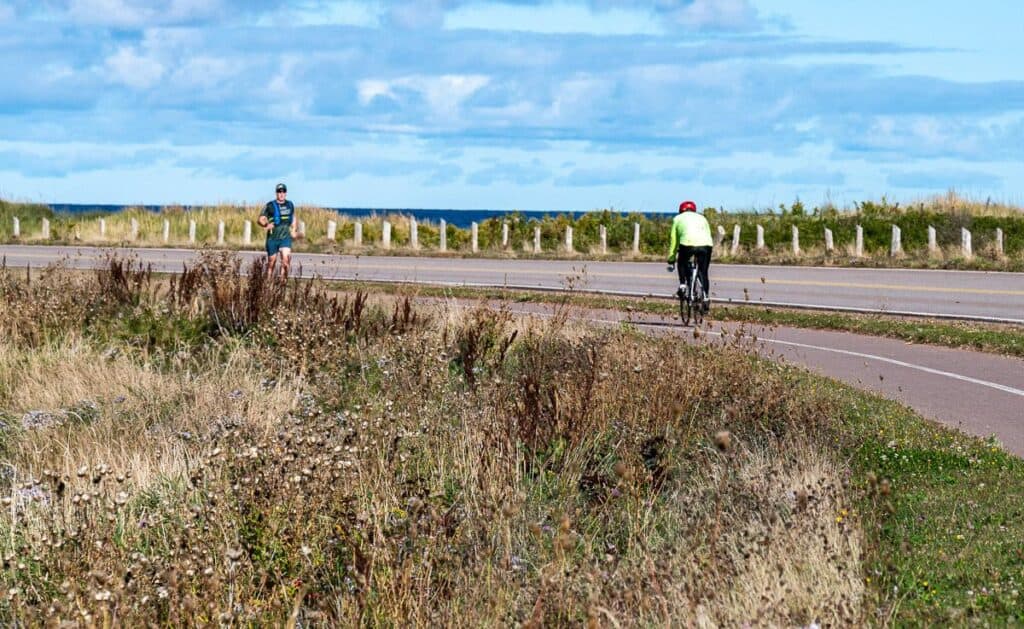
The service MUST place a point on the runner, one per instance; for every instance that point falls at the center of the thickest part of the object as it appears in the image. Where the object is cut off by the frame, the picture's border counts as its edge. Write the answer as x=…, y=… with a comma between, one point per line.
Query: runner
x=278, y=219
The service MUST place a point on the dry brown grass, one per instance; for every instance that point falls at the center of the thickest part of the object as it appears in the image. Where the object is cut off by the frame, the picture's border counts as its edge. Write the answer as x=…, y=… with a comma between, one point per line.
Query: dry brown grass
x=440, y=467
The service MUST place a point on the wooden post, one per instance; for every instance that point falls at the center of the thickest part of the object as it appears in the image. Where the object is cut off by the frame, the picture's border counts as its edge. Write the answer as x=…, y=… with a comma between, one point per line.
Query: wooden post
x=719, y=235
x=474, y=236
x=896, y=246
x=46, y=228
x=444, y=235
x=103, y=228
x=192, y=232
x=357, y=234
x=247, y=233
x=604, y=240
x=220, y=233
x=933, y=245
x=135, y=229
x=568, y=239
x=760, y=237
x=999, y=242
x=636, y=239
x=385, y=235
x=16, y=231
x=858, y=243
x=965, y=243
x=167, y=231
x=332, y=231
x=414, y=233
x=504, y=235
x=735, y=240
x=796, y=240
x=536, y=239
x=302, y=229
x=829, y=241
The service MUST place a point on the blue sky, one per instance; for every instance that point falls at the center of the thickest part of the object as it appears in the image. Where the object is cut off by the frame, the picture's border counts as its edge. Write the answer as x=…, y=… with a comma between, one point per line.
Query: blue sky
x=521, y=104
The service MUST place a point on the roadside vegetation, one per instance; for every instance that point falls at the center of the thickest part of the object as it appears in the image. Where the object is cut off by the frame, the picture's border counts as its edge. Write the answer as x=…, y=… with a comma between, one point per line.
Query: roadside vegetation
x=219, y=450
x=984, y=337
x=947, y=214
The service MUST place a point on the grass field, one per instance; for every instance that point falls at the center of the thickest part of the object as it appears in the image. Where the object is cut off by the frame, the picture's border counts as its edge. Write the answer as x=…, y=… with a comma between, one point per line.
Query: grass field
x=947, y=214
x=217, y=450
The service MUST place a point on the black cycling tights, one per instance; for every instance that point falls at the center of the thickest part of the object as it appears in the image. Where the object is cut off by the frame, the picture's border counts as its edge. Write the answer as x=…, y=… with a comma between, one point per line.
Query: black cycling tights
x=703, y=257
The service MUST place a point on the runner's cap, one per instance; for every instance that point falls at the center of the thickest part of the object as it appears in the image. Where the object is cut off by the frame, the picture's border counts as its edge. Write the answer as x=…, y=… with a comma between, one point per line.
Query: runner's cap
x=281, y=188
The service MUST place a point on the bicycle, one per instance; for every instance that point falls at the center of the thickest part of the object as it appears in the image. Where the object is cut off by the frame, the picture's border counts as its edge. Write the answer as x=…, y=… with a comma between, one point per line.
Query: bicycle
x=692, y=303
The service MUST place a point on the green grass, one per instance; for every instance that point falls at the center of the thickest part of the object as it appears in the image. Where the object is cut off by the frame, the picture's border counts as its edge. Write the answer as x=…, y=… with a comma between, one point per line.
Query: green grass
x=947, y=537
x=992, y=338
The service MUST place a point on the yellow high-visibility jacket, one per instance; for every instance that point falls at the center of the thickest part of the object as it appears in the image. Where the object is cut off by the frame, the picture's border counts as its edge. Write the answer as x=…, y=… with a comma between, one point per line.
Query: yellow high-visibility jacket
x=690, y=229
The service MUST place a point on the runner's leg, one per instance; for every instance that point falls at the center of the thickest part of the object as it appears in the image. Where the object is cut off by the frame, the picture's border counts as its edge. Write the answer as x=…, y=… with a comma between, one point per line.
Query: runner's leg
x=286, y=262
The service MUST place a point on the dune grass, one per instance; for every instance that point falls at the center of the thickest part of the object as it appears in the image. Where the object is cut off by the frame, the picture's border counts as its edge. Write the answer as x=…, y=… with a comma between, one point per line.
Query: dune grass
x=947, y=214
x=219, y=450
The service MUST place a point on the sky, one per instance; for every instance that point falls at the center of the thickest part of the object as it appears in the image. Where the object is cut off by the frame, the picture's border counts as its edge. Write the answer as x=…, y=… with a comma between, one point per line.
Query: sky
x=521, y=104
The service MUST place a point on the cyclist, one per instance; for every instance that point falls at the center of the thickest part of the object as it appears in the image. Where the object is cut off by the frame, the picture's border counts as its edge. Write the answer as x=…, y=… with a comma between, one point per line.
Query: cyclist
x=691, y=238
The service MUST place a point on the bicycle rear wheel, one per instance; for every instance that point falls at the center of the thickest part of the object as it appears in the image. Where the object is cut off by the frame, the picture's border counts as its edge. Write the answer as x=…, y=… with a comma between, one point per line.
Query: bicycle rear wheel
x=697, y=302
x=685, y=309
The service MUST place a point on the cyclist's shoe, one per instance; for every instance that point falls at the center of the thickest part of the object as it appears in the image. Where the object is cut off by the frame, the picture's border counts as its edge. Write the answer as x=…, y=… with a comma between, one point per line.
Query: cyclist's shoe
x=681, y=292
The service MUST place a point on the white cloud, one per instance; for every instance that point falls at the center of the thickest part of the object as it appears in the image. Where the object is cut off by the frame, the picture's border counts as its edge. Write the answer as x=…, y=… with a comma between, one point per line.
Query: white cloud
x=128, y=67
x=716, y=14
x=444, y=94
x=139, y=14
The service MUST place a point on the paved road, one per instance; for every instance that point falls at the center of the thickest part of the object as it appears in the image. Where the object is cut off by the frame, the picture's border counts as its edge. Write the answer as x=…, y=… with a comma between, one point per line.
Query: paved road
x=979, y=393
x=961, y=293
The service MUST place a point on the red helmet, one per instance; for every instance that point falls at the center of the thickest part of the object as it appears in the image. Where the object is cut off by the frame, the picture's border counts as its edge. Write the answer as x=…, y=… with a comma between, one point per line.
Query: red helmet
x=687, y=206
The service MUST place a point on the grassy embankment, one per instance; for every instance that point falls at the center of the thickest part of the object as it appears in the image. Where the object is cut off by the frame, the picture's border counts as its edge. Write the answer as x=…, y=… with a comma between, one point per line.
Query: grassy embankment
x=223, y=451
x=947, y=214
x=984, y=337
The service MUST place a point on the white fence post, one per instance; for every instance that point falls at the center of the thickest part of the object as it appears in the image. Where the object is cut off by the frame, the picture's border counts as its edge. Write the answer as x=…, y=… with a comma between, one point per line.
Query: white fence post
x=719, y=235
x=933, y=245
x=135, y=229
x=796, y=240
x=735, y=240
x=636, y=239
x=46, y=228
x=829, y=241
x=443, y=233
x=332, y=231
x=999, y=242
x=302, y=229
x=896, y=246
x=858, y=243
x=357, y=234
x=16, y=231
x=474, y=237
x=414, y=233
x=604, y=240
x=568, y=239
x=536, y=239
x=167, y=231
x=504, y=235
x=220, y=232
x=247, y=233
x=385, y=235
x=103, y=228
x=760, y=237
x=965, y=243
x=192, y=232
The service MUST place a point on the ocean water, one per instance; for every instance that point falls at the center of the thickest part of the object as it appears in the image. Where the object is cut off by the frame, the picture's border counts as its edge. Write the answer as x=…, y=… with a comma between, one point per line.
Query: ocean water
x=457, y=218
